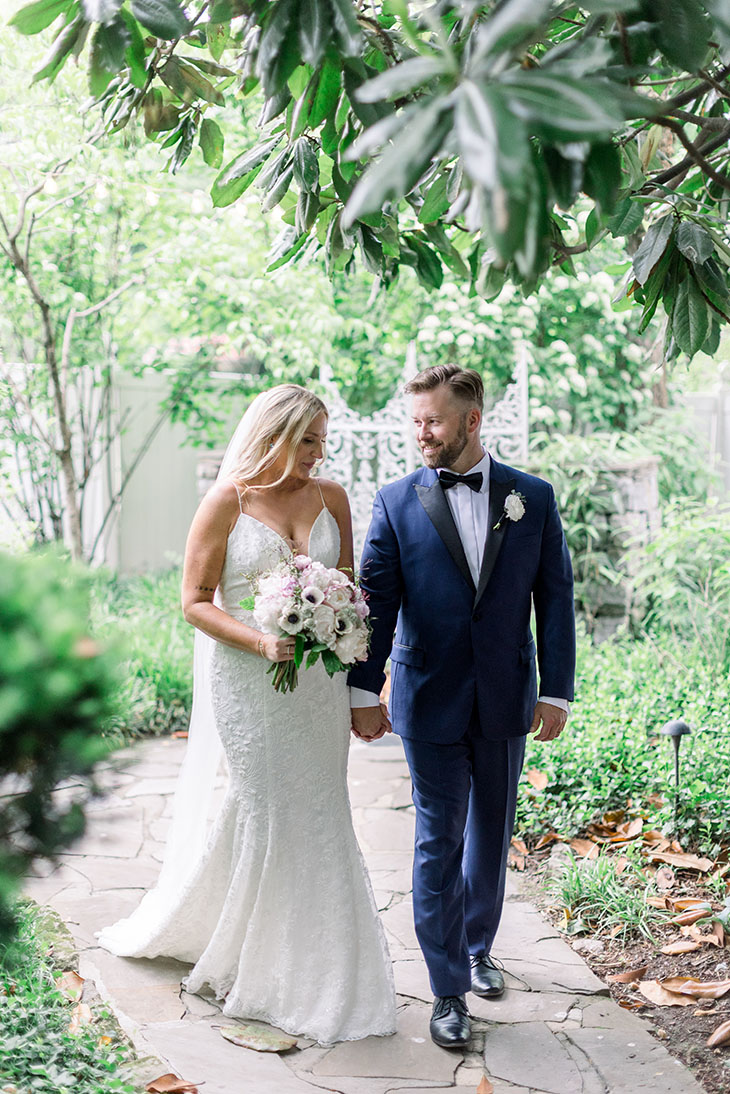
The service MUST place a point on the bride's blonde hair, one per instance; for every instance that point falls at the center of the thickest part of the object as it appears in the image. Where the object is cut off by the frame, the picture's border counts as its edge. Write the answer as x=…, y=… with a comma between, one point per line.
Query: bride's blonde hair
x=277, y=421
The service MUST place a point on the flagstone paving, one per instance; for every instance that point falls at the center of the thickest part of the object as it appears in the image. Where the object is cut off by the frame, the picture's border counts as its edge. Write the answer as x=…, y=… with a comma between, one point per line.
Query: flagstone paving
x=555, y=1030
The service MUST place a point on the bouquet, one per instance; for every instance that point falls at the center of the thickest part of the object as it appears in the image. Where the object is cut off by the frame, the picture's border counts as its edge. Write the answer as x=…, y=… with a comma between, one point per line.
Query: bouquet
x=321, y=607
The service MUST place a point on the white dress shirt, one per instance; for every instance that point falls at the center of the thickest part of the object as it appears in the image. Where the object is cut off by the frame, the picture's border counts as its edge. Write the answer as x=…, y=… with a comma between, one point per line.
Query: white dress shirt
x=470, y=510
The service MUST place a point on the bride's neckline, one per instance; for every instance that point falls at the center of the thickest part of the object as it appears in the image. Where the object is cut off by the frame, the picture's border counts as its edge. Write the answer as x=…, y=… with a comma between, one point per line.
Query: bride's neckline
x=278, y=535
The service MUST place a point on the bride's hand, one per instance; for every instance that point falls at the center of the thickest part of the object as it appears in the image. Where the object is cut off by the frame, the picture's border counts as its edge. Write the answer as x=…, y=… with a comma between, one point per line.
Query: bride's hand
x=276, y=649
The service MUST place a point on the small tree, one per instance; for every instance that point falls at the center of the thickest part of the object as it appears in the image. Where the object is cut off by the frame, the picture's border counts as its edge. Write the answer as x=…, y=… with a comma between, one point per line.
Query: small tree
x=56, y=689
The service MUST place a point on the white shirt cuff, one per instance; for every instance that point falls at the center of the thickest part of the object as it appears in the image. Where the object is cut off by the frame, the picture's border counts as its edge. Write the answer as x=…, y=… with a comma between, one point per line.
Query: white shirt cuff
x=360, y=698
x=563, y=704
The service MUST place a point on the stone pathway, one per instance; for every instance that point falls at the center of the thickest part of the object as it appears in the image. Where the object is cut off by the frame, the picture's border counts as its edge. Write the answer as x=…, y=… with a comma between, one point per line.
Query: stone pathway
x=555, y=1030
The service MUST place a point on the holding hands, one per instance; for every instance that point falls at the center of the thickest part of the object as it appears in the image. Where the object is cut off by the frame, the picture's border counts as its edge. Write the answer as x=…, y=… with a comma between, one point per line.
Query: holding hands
x=370, y=723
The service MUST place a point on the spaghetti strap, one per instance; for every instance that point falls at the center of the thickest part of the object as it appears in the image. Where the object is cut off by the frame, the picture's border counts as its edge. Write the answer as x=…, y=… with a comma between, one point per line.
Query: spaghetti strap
x=324, y=503
x=240, y=501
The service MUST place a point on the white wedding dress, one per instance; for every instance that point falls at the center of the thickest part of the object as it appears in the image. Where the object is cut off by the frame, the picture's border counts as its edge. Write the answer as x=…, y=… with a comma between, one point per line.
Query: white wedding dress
x=278, y=917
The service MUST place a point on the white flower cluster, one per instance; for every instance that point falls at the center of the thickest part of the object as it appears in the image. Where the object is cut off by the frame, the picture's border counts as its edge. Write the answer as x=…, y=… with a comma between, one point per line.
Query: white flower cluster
x=303, y=597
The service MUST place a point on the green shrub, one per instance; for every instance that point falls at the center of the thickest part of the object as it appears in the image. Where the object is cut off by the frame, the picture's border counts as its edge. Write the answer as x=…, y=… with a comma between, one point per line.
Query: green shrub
x=38, y=1053
x=611, y=755
x=684, y=577
x=56, y=689
x=143, y=616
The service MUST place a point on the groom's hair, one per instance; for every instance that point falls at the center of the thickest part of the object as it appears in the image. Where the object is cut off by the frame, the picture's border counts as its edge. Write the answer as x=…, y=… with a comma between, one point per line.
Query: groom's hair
x=463, y=383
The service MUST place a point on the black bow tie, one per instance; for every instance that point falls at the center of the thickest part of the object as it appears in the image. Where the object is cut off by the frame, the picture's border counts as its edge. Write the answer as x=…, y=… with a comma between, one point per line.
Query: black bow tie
x=473, y=481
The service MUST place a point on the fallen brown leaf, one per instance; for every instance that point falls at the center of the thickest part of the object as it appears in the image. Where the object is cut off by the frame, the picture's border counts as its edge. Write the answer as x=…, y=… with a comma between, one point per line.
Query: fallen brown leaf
x=664, y=879
x=485, y=1087
x=71, y=985
x=656, y=800
x=680, y=903
x=626, y=977
x=515, y=861
x=80, y=1016
x=631, y=1004
x=717, y=934
x=703, y=1012
x=620, y=865
x=681, y=946
x=614, y=816
x=546, y=838
x=657, y=901
x=171, y=1084
x=536, y=778
x=655, y=993
x=719, y=1036
x=682, y=861
x=699, y=989
x=584, y=848
x=180, y=734
x=519, y=845
x=692, y=915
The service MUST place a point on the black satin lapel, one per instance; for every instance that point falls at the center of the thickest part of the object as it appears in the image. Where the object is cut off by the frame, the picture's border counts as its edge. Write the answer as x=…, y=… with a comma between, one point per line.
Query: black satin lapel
x=498, y=491
x=437, y=509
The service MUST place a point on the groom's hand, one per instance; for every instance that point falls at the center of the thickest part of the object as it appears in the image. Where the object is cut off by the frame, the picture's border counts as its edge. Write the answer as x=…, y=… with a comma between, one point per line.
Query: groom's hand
x=548, y=722
x=370, y=723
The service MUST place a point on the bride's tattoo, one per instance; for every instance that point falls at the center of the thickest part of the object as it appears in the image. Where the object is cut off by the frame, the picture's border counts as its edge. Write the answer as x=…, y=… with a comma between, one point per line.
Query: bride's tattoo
x=205, y=588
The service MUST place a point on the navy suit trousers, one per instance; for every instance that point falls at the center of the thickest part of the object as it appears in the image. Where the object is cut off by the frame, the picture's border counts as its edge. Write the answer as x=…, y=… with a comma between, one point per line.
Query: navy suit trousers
x=465, y=796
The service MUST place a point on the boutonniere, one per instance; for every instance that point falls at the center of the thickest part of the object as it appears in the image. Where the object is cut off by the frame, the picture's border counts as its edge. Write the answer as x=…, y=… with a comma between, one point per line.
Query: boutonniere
x=514, y=509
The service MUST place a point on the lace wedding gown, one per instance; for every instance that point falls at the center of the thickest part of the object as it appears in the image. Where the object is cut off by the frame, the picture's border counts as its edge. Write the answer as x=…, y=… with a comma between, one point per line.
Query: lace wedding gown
x=278, y=917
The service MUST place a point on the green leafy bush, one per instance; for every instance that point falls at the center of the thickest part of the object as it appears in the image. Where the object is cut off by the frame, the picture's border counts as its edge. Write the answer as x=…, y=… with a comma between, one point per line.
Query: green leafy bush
x=610, y=755
x=142, y=616
x=38, y=1052
x=684, y=577
x=56, y=689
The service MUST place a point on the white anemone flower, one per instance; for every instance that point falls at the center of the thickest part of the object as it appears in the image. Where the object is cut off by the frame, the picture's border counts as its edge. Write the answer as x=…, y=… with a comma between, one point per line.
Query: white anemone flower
x=313, y=595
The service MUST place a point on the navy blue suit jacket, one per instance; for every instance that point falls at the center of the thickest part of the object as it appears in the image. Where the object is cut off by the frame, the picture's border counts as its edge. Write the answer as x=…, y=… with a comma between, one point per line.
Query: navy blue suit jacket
x=456, y=645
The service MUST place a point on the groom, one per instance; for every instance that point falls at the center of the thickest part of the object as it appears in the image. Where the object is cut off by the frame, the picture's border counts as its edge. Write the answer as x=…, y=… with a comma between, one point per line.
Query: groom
x=457, y=555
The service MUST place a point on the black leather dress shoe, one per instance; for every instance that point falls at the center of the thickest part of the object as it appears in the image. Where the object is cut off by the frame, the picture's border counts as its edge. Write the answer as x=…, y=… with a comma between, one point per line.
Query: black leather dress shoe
x=450, y=1026
x=486, y=979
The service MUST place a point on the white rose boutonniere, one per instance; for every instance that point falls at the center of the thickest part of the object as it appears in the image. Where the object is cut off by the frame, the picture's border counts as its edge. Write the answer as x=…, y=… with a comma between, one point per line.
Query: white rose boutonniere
x=514, y=509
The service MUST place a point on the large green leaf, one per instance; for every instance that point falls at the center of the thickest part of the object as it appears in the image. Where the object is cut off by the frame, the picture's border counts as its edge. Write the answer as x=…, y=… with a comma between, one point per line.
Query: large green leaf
x=187, y=82
x=510, y=25
x=655, y=287
x=720, y=11
x=492, y=143
x=602, y=175
x=327, y=94
x=401, y=79
x=694, y=242
x=35, y=17
x=561, y=108
x=347, y=31
x=136, y=54
x=681, y=30
x=627, y=218
x=284, y=249
x=211, y=142
x=100, y=11
x=62, y=47
x=238, y=175
x=315, y=28
x=108, y=47
x=652, y=248
x=164, y=18
x=273, y=43
x=690, y=317
x=436, y=202
x=306, y=164
x=401, y=165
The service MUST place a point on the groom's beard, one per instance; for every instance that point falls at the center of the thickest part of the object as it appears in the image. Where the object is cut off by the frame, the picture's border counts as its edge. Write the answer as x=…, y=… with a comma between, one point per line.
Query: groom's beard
x=446, y=454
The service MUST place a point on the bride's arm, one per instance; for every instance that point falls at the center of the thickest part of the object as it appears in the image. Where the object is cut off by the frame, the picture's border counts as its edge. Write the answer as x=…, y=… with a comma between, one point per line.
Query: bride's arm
x=205, y=553
x=339, y=506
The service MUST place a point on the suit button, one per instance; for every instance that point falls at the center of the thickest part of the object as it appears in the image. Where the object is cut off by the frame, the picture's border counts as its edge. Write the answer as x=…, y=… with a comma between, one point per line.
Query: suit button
x=477, y=616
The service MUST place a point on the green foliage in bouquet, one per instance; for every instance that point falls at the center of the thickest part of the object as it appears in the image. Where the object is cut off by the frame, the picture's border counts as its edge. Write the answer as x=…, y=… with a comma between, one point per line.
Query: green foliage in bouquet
x=56, y=690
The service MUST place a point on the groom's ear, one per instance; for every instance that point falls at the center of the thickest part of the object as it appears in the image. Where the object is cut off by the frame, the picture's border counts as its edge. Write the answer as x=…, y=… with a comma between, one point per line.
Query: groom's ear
x=473, y=420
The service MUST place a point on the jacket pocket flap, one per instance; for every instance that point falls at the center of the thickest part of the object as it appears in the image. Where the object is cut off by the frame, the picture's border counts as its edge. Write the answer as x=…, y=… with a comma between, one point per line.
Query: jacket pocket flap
x=407, y=655
x=528, y=651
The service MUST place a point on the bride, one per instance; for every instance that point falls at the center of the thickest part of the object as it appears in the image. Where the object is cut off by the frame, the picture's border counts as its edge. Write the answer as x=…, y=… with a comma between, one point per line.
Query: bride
x=272, y=906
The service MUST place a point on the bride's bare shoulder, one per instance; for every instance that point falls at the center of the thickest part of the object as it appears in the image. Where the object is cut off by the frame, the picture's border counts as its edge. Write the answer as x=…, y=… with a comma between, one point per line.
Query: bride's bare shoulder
x=334, y=495
x=221, y=502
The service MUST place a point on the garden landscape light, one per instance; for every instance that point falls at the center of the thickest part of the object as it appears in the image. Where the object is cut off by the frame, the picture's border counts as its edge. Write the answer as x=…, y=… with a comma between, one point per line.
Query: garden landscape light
x=675, y=729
